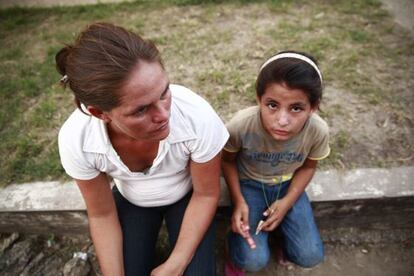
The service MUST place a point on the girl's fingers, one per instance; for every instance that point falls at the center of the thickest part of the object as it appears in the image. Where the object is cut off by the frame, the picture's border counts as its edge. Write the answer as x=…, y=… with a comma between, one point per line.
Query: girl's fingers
x=270, y=225
x=251, y=242
x=246, y=235
x=244, y=229
x=245, y=218
x=269, y=212
x=269, y=221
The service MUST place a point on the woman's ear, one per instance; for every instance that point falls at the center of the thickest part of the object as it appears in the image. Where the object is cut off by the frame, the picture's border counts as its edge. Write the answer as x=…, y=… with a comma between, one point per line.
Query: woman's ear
x=96, y=112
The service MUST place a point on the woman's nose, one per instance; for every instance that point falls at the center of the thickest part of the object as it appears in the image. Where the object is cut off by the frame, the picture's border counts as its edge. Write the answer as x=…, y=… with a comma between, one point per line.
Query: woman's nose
x=161, y=113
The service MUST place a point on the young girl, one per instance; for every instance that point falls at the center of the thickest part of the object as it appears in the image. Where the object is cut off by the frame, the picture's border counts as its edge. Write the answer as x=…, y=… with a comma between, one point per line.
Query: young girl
x=269, y=160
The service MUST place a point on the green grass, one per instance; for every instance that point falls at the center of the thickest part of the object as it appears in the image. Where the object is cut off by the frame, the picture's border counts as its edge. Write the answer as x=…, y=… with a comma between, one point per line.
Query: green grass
x=339, y=143
x=204, y=46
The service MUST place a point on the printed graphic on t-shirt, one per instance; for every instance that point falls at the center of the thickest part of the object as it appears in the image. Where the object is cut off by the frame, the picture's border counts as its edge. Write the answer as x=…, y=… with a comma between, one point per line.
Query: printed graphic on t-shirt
x=270, y=157
x=274, y=158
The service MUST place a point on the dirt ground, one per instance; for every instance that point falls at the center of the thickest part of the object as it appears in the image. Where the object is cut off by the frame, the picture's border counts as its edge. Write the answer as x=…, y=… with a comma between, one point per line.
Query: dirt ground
x=376, y=253
x=49, y=255
x=357, y=260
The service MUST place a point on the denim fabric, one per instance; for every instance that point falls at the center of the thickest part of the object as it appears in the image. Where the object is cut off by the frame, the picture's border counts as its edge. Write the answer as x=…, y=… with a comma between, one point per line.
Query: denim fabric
x=140, y=228
x=302, y=244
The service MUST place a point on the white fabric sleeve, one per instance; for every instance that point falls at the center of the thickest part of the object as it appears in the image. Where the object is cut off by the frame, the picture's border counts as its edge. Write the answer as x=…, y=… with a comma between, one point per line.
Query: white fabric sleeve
x=73, y=159
x=211, y=134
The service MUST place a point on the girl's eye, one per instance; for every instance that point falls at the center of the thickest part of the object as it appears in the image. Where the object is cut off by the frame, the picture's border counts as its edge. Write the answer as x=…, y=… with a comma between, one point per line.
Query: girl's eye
x=272, y=106
x=297, y=109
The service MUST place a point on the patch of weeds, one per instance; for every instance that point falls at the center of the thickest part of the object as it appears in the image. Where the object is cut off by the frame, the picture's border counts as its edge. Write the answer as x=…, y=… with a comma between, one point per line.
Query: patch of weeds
x=251, y=92
x=18, y=18
x=327, y=112
x=344, y=66
x=281, y=5
x=11, y=54
x=47, y=165
x=160, y=40
x=238, y=82
x=341, y=139
x=30, y=87
x=361, y=7
x=380, y=163
x=44, y=113
x=21, y=164
x=338, y=143
x=30, y=161
x=221, y=99
x=288, y=29
x=211, y=76
x=85, y=12
x=359, y=36
x=318, y=46
x=204, y=2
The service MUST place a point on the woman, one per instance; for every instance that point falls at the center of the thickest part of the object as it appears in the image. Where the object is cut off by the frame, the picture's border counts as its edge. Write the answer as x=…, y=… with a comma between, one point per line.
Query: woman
x=160, y=143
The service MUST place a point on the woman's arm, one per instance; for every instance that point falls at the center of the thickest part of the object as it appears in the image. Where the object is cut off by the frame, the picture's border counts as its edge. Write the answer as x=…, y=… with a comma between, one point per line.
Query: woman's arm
x=103, y=223
x=299, y=182
x=240, y=216
x=197, y=218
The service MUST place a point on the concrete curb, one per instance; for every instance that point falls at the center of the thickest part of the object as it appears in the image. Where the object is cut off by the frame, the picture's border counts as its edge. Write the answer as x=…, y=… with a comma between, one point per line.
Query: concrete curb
x=331, y=185
x=59, y=207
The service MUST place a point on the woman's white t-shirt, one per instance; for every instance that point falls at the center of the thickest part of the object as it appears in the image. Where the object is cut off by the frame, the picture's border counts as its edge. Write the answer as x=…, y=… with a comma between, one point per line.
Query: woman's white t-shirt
x=196, y=133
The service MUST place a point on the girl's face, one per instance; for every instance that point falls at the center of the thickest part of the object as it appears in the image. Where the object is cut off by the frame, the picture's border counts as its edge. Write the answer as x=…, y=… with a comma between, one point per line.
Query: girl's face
x=284, y=111
x=144, y=111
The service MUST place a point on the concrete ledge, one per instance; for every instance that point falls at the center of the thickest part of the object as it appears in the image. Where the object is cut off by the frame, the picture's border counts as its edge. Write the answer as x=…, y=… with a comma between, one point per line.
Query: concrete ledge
x=366, y=197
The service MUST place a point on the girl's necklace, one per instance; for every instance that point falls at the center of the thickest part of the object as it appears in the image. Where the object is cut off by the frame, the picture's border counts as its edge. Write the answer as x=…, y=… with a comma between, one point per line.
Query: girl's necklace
x=258, y=229
x=277, y=196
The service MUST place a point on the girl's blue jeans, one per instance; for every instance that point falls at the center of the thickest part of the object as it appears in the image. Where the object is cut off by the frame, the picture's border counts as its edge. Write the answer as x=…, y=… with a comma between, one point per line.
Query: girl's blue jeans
x=140, y=228
x=302, y=244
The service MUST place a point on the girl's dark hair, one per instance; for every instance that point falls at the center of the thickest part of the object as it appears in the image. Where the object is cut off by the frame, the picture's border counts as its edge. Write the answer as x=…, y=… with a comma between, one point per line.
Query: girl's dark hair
x=99, y=62
x=295, y=74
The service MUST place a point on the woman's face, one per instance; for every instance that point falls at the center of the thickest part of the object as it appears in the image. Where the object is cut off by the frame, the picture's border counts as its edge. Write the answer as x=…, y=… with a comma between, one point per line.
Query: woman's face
x=284, y=111
x=144, y=111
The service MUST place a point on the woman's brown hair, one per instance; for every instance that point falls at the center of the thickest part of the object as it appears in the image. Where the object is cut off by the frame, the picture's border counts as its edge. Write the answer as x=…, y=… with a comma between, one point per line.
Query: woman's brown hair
x=96, y=66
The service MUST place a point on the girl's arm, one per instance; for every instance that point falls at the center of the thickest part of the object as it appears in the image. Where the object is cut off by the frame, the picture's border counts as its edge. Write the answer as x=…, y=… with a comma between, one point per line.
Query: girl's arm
x=240, y=217
x=301, y=179
x=231, y=176
x=103, y=223
x=197, y=218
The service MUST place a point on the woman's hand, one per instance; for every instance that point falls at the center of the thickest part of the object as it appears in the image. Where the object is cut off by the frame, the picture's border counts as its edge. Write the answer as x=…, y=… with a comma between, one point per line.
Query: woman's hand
x=240, y=222
x=167, y=269
x=275, y=214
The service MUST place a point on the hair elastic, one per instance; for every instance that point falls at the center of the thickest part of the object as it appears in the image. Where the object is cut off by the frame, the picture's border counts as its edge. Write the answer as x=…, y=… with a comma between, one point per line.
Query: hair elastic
x=292, y=55
x=64, y=79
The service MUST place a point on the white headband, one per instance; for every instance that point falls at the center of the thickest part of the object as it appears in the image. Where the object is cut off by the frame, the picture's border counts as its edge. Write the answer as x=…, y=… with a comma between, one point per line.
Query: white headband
x=293, y=55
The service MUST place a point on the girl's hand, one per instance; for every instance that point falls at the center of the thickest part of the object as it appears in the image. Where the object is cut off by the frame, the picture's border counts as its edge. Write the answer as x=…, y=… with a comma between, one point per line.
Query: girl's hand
x=275, y=215
x=240, y=223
